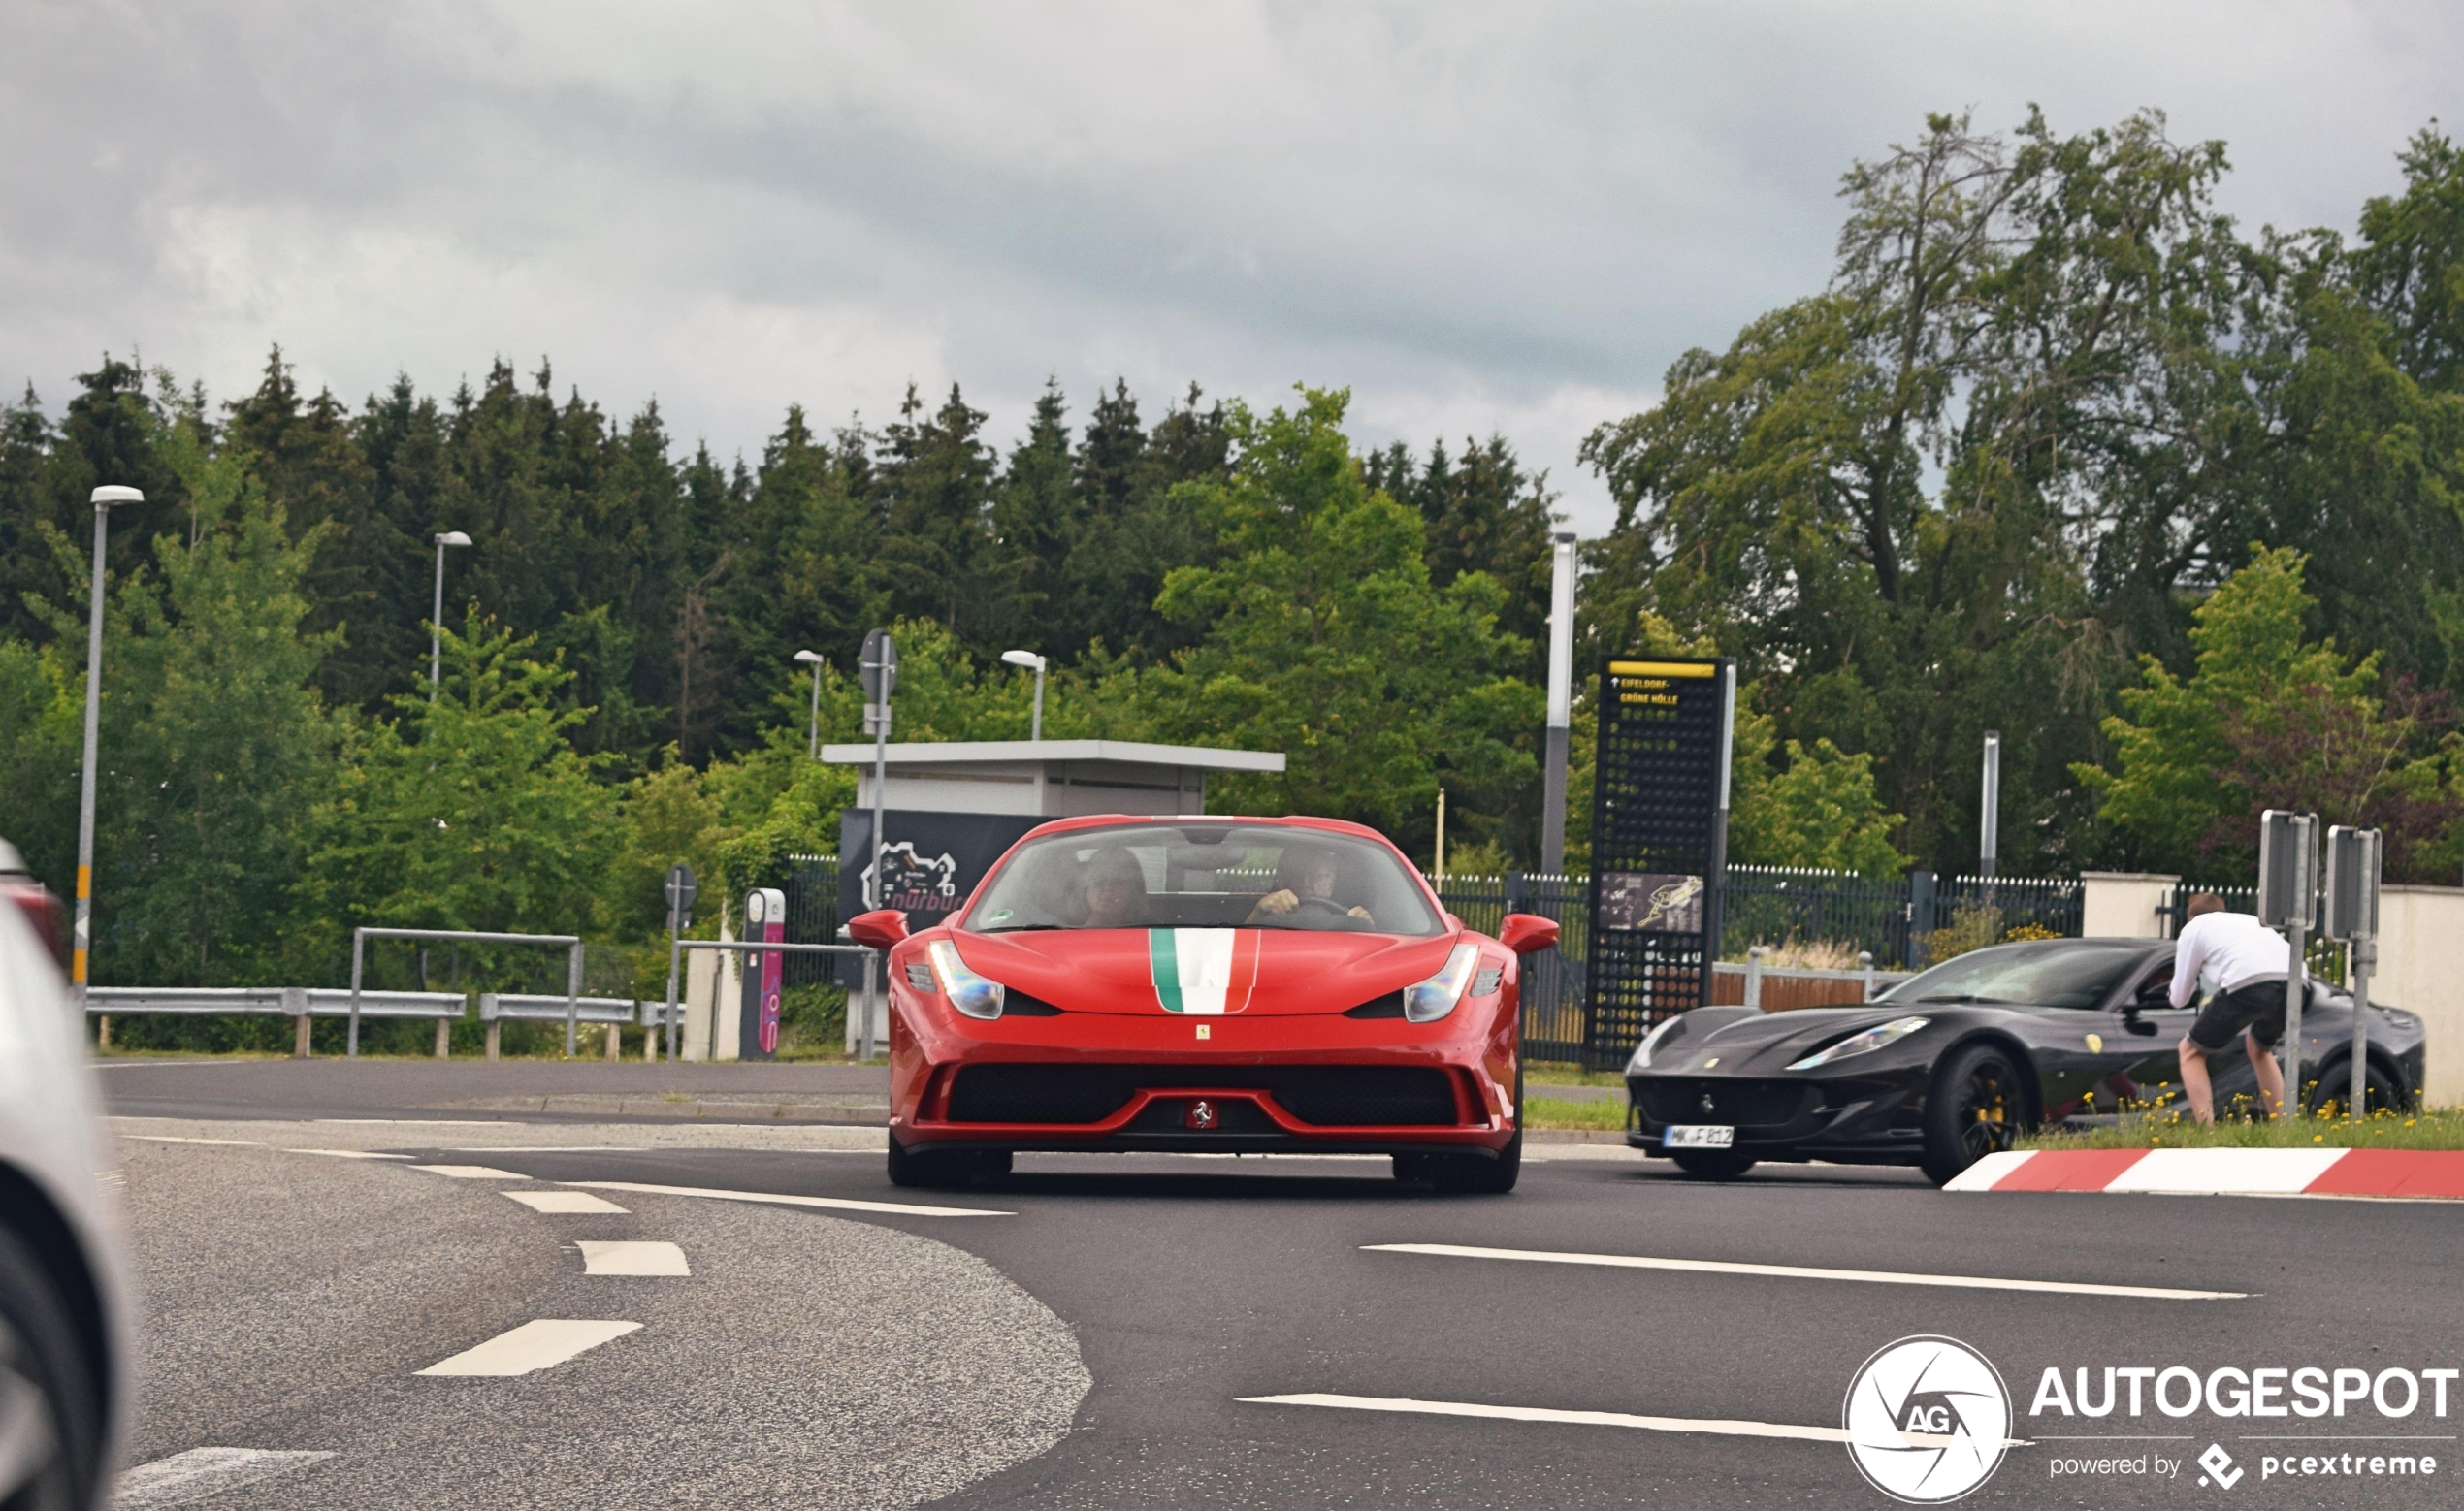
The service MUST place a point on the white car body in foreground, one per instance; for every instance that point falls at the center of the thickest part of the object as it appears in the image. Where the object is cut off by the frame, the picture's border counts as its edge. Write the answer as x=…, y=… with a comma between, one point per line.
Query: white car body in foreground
x=66, y=1363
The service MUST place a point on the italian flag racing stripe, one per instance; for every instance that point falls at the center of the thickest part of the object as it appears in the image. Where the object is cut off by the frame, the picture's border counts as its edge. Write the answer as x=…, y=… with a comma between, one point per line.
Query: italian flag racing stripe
x=1203, y=972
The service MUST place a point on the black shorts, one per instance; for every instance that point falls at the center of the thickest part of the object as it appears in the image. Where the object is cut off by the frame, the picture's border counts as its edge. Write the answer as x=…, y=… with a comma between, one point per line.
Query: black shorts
x=2258, y=1006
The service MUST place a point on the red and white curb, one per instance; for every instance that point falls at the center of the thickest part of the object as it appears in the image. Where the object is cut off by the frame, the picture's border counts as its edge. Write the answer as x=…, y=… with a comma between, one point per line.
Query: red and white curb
x=2395, y=1173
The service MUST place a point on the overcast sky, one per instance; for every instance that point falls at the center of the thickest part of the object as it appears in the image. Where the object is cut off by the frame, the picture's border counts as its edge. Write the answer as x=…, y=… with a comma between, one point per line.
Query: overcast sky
x=1494, y=218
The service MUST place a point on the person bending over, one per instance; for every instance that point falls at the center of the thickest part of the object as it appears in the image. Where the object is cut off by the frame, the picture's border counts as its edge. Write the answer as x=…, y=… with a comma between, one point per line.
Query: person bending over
x=2248, y=962
x=1304, y=876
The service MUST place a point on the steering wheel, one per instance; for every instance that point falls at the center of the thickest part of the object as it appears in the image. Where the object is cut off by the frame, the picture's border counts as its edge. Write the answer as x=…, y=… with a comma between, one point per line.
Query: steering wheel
x=1326, y=905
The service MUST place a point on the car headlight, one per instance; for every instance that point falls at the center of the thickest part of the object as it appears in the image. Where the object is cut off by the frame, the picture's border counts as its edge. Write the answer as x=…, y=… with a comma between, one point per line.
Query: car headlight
x=1866, y=1042
x=968, y=992
x=1428, y=1000
x=1641, y=1060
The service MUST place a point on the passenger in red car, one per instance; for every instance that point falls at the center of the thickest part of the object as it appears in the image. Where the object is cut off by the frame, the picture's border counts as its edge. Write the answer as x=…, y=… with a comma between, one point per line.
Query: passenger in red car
x=1303, y=875
x=1116, y=892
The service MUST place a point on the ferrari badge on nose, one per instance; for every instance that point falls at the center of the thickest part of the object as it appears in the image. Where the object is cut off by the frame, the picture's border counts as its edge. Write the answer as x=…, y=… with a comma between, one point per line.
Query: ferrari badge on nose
x=1201, y=1116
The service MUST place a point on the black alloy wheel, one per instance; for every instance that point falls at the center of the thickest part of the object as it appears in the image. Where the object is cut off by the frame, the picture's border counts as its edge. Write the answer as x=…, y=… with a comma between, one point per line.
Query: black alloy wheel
x=50, y=1425
x=2334, y=1088
x=1713, y=1164
x=1976, y=1107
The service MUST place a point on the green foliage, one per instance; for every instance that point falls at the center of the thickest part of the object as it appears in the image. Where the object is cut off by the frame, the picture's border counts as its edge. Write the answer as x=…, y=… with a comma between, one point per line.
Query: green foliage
x=2044, y=408
x=1322, y=636
x=2271, y=719
x=218, y=725
x=1816, y=808
x=474, y=812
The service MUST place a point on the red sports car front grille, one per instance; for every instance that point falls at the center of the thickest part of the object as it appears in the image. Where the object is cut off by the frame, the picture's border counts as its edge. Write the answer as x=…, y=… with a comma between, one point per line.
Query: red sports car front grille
x=1330, y=1096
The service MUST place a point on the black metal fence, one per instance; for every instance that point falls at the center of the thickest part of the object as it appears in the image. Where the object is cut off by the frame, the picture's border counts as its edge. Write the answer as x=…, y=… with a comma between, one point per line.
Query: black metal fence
x=812, y=918
x=1554, y=1021
x=1774, y=905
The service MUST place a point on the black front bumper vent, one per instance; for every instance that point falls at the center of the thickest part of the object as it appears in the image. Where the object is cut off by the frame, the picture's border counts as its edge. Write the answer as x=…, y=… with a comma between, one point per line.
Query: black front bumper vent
x=1328, y=1096
x=1741, y=1103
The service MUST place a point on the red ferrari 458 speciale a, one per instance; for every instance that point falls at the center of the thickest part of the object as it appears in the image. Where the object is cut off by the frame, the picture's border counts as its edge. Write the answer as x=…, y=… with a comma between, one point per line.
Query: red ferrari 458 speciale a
x=1248, y=985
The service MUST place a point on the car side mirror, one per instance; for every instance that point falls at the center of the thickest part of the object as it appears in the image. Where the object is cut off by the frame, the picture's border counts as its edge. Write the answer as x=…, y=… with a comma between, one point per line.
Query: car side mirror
x=1526, y=932
x=879, y=929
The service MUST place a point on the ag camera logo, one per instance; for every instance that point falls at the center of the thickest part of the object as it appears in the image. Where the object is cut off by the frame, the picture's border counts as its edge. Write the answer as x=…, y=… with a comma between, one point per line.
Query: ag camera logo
x=1927, y=1418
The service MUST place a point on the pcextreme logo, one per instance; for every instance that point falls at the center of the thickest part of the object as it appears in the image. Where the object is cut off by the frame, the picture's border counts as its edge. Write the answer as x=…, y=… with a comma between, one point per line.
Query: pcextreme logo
x=1927, y=1420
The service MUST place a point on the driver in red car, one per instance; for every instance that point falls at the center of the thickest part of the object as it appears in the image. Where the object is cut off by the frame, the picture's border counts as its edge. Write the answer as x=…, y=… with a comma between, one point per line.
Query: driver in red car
x=1303, y=873
x=1116, y=892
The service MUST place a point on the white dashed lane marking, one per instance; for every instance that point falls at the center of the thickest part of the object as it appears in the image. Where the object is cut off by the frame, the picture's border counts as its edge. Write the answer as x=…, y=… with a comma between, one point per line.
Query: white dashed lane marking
x=632, y=1257
x=199, y=1473
x=171, y=1139
x=831, y=1203
x=563, y=1201
x=471, y=1172
x=1720, y=1267
x=1720, y=1427
x=348, y=1154
x=533, y=1346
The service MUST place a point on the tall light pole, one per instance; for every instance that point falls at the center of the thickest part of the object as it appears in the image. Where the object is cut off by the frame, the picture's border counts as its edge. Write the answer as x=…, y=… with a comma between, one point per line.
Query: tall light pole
x=1989, y=822
x=1035, y=729
x=813, y=731
x=437, y=620
x=1561, y=706
x=82, y=941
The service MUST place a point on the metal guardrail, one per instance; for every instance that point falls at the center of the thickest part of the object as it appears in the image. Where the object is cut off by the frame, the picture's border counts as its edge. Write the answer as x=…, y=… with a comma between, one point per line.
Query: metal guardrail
x=534, y=1009
x=271, y=1002
x=570, y=942
x=299, y=1003
x=496, y=1007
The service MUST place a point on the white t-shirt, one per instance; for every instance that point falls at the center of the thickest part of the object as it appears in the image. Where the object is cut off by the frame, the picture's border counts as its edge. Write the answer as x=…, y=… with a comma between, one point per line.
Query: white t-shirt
x=2233, y=949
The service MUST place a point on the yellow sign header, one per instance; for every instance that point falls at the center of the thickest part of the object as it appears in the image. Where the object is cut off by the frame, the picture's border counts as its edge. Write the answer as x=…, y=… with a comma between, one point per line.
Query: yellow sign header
x=1662, y=669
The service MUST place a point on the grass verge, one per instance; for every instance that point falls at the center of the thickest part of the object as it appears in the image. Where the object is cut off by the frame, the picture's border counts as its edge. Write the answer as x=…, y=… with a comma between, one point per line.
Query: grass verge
x=2173, y=1129
x=1605, y=1115
x=1566, y=1072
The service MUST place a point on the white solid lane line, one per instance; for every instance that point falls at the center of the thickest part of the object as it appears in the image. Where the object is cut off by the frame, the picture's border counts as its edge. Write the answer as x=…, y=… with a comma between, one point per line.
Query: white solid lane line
x=835, y=1202
x=427, y=1122
x=168, y=1139
x=563, y=1201
x=632, y=1257
x=348, y=1154
x=1722, y=1426
x=534, y=1345
x=1804, y=1272
x=471, y=1172
x=199, y=1473
x=556, y=1149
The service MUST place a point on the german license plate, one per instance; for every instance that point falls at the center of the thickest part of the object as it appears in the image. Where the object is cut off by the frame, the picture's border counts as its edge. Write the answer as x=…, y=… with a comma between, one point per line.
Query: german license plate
x=1697, y=1135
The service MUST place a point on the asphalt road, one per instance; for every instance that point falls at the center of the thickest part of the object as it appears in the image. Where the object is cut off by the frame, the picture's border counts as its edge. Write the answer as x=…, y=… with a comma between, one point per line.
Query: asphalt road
x=1182, y=1286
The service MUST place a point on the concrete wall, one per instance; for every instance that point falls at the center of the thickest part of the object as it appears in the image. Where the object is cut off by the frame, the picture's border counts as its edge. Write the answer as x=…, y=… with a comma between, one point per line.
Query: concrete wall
x=2123, y=903
x=2419, y=931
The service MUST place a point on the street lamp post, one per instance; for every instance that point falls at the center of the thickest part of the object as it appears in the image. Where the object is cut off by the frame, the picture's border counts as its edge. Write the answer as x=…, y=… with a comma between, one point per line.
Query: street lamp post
x=1035, y=729
x=813, y=734
x=83, y=941
x=437, y=620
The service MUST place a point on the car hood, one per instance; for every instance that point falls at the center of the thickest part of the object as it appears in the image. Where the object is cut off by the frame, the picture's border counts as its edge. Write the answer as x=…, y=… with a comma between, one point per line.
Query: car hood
x=1766, y=1042
x=1258, y=972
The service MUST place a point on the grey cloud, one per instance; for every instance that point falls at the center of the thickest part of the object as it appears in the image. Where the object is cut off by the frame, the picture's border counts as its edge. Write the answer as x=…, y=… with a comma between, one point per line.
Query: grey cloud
x=1478, y=217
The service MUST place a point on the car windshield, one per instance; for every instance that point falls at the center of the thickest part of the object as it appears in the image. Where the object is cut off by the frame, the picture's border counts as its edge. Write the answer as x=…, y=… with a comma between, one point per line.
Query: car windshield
x=2069, y=975
x=1197, y=875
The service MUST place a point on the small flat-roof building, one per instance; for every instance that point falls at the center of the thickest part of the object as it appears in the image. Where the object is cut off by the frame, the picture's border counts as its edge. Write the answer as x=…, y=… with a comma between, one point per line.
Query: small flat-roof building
x=1050, y=779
